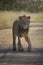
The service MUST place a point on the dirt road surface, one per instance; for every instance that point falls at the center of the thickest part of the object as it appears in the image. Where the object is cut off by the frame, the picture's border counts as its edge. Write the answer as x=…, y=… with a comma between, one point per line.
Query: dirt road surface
x=35, y=57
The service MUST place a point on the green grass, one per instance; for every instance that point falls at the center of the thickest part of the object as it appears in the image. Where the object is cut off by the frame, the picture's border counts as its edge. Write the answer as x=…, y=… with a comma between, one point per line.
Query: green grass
x=8, y=17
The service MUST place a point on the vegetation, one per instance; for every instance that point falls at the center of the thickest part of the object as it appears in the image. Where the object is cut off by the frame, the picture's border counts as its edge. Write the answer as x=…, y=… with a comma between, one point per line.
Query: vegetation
x=18, y=5
x=8, y=17
x=11, y=9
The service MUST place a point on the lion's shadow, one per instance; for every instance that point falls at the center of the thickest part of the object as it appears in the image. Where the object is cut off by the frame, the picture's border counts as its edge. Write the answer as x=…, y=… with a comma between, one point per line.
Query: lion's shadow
x=7, y=55
x=16, y=57
x=10, y=50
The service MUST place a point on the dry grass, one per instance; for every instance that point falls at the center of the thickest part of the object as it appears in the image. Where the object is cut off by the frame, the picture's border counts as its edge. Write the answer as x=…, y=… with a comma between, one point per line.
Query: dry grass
x=8, y=17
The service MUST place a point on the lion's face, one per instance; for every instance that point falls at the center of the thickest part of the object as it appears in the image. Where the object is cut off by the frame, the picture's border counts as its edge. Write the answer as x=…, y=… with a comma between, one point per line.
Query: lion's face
x=24, y=21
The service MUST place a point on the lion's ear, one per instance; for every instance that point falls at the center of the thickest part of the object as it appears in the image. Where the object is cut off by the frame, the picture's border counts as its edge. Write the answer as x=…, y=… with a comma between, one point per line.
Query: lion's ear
x=19, y=17
x=28, y=17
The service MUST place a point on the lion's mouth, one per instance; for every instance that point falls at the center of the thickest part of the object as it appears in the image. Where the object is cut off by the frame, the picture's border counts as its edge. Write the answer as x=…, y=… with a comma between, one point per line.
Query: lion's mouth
x=25, y=26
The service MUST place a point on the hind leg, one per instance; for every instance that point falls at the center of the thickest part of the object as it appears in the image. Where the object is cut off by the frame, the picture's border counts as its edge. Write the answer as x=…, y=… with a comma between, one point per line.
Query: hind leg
x=29, y=43
x=20, y=48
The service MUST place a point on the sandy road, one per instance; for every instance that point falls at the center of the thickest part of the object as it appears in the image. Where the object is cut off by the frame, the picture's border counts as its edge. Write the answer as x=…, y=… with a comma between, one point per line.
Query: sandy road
x=35, y=57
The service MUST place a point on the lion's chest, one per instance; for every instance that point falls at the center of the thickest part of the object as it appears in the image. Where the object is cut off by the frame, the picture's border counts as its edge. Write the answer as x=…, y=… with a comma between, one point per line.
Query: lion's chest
x=23, y=33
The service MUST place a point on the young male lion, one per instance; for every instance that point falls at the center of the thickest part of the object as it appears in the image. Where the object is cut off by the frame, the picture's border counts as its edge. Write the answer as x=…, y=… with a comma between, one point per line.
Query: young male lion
x=21, y=29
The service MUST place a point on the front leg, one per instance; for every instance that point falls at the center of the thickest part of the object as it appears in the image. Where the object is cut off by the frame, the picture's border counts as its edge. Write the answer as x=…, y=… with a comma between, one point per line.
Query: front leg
x=29, y=43
x=14, y=43
x=20, y=48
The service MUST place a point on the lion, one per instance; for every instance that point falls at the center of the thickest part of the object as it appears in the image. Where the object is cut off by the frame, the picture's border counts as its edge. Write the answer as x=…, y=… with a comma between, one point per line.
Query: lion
x=21, y=29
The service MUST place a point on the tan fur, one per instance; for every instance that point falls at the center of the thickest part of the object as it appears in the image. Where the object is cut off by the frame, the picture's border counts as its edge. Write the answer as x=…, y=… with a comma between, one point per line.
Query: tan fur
x=21, y=29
